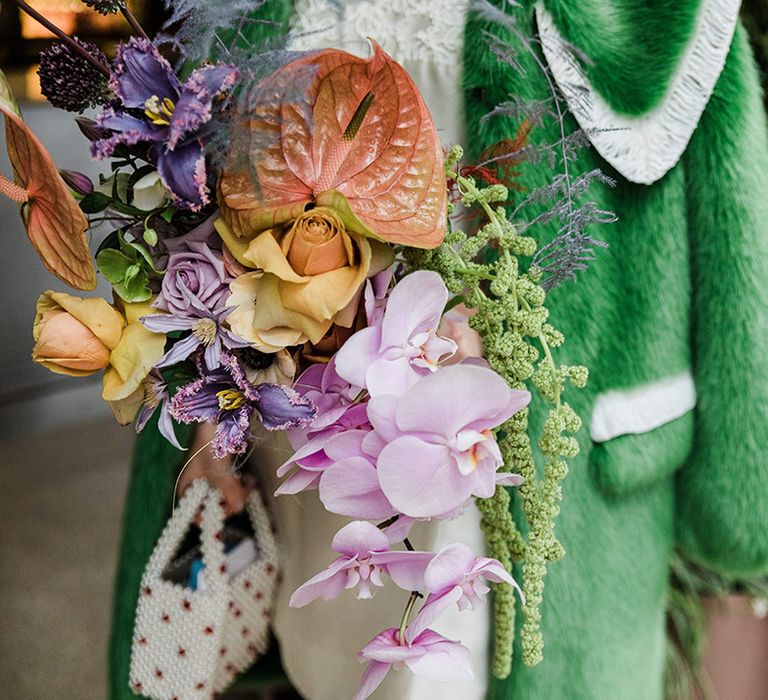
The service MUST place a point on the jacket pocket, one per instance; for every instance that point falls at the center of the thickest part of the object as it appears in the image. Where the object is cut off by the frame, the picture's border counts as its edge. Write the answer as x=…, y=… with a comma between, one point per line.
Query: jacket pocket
x=641, y=436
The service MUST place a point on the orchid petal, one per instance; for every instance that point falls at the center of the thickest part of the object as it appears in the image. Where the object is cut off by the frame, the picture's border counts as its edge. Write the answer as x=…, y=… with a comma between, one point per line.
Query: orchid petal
x=351, y=487
x=419, y=480
x=458, y=397
x=371, y=679
x=415, y=304
x=406, y=569
x=359, y=537
x=435, y=606
x=449, y=567
x=356, y=355
x=328, y=584
x=443, y=660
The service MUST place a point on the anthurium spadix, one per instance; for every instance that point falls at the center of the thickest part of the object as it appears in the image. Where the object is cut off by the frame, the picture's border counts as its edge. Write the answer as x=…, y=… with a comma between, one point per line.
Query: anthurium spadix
x=54, y=223
x=334, y=130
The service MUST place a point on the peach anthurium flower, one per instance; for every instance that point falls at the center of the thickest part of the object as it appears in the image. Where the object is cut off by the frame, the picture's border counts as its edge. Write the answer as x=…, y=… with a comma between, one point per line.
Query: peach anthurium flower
x=53, y=220
x=80, y=337
x=307, y=277
x=358, y=138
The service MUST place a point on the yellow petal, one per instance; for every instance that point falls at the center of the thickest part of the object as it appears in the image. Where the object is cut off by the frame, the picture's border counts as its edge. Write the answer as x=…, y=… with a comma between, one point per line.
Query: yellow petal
x=125, y=410
x=236, y=245
x=321, y=297
x=135, y=355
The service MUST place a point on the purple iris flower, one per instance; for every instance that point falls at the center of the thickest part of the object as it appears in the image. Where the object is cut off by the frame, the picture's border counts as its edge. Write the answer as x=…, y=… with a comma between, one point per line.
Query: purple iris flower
x=226, y=397
x=208, y=332
x=159, y=110
x=156, y=397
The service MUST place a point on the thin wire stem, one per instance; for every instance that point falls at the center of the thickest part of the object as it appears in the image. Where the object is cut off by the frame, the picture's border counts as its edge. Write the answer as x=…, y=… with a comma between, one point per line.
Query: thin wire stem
x=34, y=14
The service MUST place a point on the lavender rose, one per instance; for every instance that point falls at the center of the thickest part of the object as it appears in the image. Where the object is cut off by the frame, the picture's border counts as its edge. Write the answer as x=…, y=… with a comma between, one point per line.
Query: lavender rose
x=195, y=280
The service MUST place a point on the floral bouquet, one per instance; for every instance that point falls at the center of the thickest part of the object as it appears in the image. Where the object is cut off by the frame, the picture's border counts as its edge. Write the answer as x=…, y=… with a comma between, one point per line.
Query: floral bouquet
x=280, y=252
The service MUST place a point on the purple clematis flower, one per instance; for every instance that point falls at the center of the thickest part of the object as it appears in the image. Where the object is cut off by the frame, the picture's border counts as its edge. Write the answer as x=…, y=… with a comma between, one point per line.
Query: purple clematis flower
x=402, y=345
x=208, y=332
x=225, y=397
x=437, y=448
x=457, y=576
x=156, y=397
x=160, y=111
x=427, y=654
x=365, y=556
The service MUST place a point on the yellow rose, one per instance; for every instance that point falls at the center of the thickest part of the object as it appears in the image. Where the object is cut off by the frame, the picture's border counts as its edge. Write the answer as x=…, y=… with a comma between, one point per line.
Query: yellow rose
x=79, y=337
x=308, y=276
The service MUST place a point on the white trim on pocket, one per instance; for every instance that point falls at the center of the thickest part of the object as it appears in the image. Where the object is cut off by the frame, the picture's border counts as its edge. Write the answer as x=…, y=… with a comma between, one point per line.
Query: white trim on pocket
x=643, y=408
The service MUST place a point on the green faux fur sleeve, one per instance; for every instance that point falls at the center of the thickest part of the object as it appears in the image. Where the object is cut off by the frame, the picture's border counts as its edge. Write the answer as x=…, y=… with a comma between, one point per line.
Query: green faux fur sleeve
x=723, y=491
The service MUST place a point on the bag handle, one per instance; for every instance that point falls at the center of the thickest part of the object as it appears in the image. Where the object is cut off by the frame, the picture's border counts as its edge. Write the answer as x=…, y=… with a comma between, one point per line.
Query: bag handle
x=176, y=528
x=211, y=541
x=262, y=526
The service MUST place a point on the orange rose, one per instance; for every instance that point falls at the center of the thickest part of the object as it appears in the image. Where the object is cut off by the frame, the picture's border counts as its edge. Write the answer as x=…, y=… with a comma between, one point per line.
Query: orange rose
x=75, y=336
x=309, y=276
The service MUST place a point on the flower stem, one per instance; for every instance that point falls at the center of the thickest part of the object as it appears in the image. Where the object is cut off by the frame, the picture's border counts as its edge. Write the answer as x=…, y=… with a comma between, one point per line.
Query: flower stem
x=14, y=192
x=415, y=595
x=131, y=19
x=34, y=14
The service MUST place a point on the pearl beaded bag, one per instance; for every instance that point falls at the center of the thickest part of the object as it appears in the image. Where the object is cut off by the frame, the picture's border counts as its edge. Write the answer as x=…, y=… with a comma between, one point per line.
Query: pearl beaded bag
x=190, y=644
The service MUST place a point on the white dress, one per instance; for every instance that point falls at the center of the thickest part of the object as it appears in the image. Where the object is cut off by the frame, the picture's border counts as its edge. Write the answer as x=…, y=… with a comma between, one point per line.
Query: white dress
x=319, y=642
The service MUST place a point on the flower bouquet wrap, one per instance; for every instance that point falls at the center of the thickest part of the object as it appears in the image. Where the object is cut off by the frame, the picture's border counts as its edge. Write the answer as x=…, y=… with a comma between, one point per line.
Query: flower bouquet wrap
x=280, y=252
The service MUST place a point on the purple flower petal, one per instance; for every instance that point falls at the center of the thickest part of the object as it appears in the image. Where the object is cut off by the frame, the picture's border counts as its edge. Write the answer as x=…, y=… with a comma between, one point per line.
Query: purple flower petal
x=127, y=130
x=449, y=568
x=281, y=408
x=141, y=72
x=182, y=171
x=179, y=351
x=193, y=108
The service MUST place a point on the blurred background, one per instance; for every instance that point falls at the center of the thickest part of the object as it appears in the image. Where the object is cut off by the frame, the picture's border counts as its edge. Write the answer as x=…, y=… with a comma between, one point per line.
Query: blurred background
x=65, y=461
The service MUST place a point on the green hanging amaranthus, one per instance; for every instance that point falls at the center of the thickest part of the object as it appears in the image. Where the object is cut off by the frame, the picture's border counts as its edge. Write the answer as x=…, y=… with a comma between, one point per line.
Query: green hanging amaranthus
x=512, y=320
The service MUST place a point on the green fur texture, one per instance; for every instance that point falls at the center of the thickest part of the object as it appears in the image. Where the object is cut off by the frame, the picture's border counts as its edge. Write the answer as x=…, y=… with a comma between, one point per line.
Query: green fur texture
x=723, y=491
x=628, y=43
x=681, y=287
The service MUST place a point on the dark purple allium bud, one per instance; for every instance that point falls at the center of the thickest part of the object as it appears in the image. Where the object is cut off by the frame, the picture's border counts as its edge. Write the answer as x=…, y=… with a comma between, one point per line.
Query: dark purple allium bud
x=105, y=7
x=77, y=181
x=89, y=129
x=69, y=81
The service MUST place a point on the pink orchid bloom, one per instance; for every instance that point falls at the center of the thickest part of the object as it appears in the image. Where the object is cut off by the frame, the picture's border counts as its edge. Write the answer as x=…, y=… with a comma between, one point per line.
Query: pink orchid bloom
x=336, y=413
x=456, y=575
x=350, y=486
x=427, y=654
x=365, y=556
x=438, y=448
x=393, y=353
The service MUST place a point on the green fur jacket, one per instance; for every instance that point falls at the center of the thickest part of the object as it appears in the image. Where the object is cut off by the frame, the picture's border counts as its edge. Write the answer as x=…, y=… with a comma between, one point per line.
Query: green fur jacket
x=671, y=319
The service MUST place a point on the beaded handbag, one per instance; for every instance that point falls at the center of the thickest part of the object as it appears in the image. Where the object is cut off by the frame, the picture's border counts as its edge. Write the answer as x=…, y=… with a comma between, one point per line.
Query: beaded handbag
x=189, y=642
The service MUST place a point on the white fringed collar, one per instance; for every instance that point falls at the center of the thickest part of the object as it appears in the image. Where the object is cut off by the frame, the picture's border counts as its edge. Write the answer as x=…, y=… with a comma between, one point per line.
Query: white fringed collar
x=643, y=148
